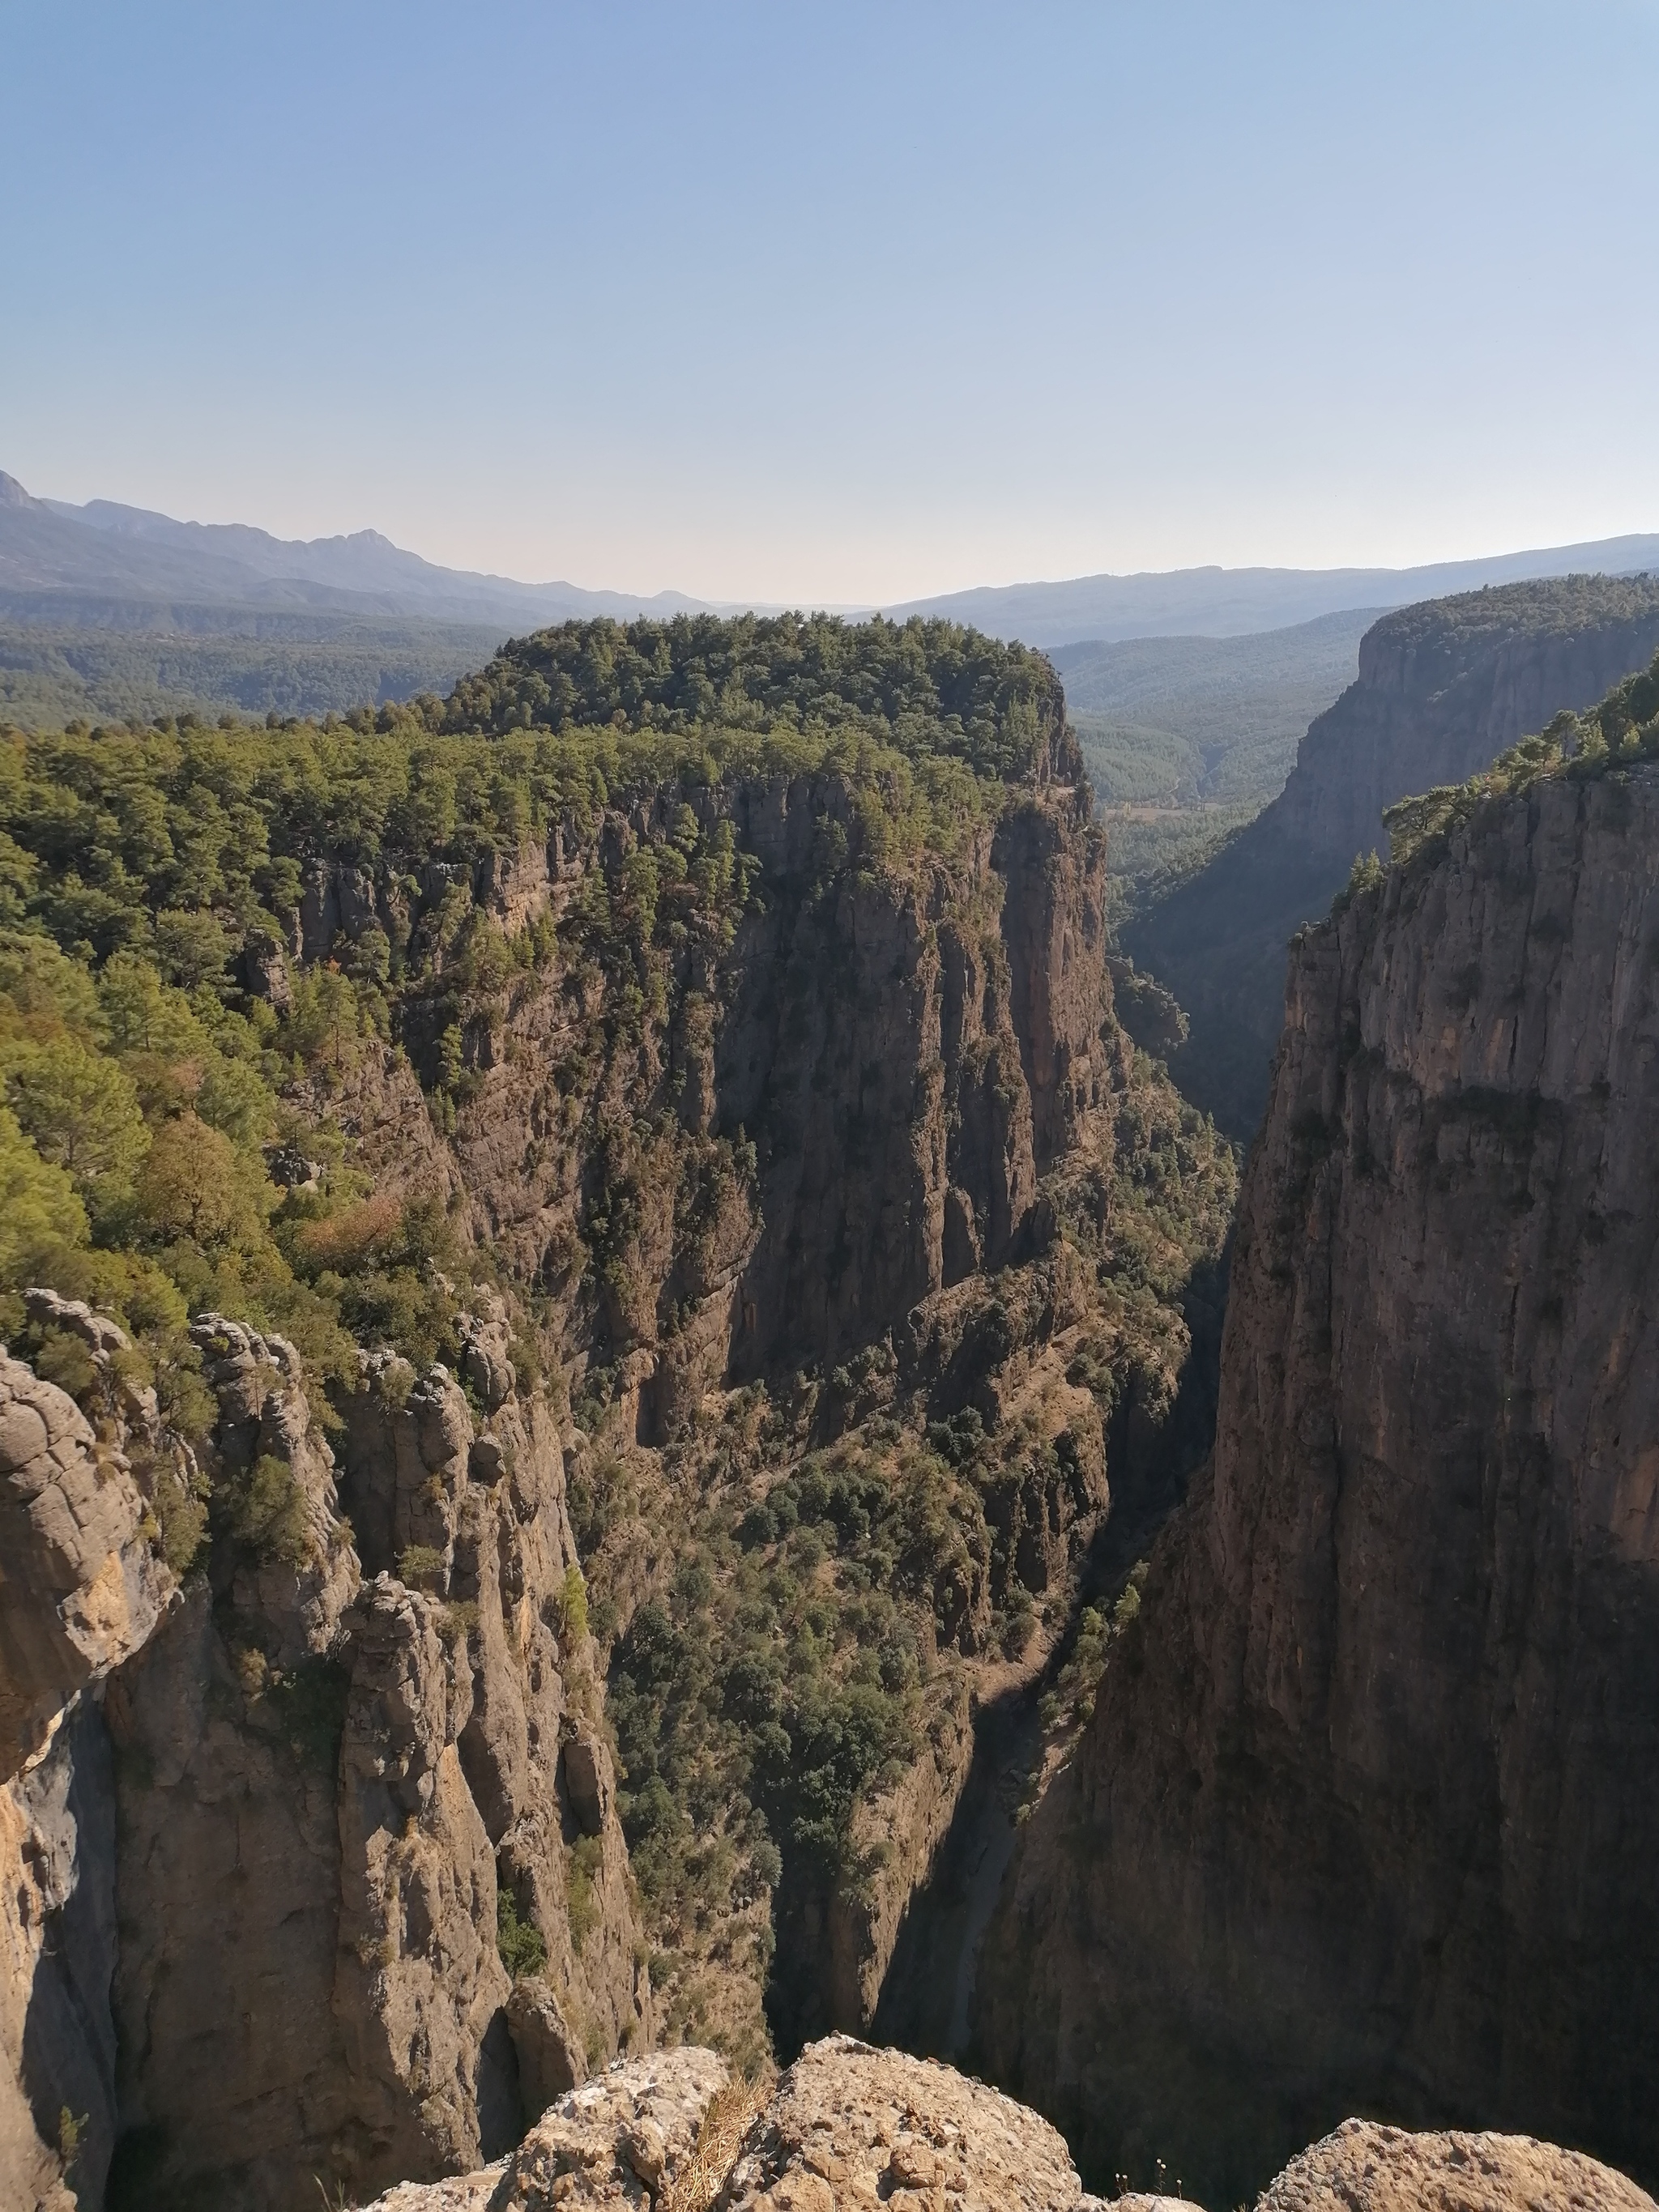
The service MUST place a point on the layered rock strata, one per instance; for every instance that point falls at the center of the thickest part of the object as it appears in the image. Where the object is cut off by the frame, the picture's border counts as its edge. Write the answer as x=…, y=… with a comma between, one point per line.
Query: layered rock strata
x=1368, y=1810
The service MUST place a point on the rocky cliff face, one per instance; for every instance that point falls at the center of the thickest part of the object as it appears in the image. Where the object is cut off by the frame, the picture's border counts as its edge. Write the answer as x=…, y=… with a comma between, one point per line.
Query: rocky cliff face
x=1368, y=1810
x=1442, y=689
x=253, y=1907
x=839, y=1208
x=82, y=1592
x=796, y=1192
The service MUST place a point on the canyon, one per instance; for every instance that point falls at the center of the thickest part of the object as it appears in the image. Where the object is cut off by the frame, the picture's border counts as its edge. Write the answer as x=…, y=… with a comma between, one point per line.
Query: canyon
x=796, y=1554
x=1443, y=687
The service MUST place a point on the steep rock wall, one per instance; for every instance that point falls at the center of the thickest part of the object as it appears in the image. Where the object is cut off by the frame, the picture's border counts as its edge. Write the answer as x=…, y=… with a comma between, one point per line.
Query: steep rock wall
x=81, y=1590
x=252, y=1856
x=1368, y=1810
x=324, y=1783
x=1442, y=689
x=905, y=1049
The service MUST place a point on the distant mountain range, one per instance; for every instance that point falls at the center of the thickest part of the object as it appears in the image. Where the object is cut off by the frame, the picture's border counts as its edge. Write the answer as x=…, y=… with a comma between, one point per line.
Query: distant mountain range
x=1233, y=602
x=107, y=566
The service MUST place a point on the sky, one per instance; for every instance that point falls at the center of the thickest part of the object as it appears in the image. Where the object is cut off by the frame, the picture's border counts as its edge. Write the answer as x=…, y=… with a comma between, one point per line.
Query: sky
x=840, y=303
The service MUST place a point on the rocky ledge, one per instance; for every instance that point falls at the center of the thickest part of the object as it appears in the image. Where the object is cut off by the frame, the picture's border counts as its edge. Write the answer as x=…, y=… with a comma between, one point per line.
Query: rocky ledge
x=850, y=2127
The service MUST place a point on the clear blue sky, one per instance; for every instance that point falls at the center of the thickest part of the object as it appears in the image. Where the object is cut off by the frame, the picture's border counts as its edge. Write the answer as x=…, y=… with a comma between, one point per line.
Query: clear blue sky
x=840, y=302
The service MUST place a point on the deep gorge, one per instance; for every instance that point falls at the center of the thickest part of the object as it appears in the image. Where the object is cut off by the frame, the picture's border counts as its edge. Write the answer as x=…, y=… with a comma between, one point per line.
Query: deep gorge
x=637, y=1394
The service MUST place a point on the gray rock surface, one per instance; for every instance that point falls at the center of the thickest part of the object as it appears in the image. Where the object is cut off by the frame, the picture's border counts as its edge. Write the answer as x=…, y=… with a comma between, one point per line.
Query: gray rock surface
x=1442, y=689
x=1369, y=1809
x=82, y=1588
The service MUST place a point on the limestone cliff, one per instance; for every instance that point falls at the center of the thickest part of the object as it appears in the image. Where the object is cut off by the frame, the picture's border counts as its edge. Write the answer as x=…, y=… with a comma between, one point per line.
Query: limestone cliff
x=82, y=1591
x=1367, y=1811
x=251, y=1910
x=860, y=1155
x=330, y=1774
x=1442, y=689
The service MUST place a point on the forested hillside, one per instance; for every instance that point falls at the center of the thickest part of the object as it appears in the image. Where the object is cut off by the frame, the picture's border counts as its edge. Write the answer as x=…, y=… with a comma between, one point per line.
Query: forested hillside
x=164, y=662
x=699, y=1039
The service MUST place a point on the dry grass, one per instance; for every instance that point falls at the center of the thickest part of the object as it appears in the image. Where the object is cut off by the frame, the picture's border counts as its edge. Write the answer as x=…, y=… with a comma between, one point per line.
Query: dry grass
x=715, y=2154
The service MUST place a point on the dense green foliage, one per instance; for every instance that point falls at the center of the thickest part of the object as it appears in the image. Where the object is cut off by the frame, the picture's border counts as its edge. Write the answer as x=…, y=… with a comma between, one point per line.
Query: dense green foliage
x=1623, y=729
x=1186, y=720
x=1446, y=630
x=52, y=674
x=925, y=688
x=148, y=875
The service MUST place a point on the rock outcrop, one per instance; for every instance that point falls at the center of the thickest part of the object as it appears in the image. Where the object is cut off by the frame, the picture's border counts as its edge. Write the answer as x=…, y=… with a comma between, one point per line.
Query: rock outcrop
x=256, y=1831
x=81, y=1590
x=84, y=1589
x=625, y=2142
x=329, y=1783
x=1367, y=1812
x=1442, y=689
x=849, y=2127
x=1363, y=2167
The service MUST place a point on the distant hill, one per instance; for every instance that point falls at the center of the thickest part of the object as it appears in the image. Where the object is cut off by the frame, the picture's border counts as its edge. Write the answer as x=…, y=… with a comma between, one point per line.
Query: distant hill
x=1442, y=689
x=113, y=613
x=1231, y=602
x=108, y=610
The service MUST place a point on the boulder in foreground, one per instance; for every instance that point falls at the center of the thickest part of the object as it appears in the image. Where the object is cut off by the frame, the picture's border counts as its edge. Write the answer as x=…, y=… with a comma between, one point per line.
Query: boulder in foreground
x=849, y=2128
x=1363, y=2167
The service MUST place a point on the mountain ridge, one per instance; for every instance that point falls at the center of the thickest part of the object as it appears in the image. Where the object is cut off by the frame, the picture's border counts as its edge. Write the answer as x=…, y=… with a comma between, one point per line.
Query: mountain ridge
x=363, y=572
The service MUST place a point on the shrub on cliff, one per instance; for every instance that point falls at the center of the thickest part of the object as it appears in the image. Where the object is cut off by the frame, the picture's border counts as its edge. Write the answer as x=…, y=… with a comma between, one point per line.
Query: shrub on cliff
x=1622, y=730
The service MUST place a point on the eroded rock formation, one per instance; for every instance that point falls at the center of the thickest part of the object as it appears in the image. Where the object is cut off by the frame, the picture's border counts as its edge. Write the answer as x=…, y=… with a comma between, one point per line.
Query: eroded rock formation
x=1368, y=1810
x=80, y=1592
x=1362, y=2167
x=82, y=1588
x=251, y=1910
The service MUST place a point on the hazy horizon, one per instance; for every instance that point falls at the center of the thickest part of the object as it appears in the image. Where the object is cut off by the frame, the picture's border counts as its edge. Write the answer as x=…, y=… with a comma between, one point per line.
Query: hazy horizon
x=847, y=607
x=841, y=310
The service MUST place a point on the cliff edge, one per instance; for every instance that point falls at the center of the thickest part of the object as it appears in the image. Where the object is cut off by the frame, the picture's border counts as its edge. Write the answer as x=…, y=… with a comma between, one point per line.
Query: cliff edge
x=1442, y=689
x=1368, y=1810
